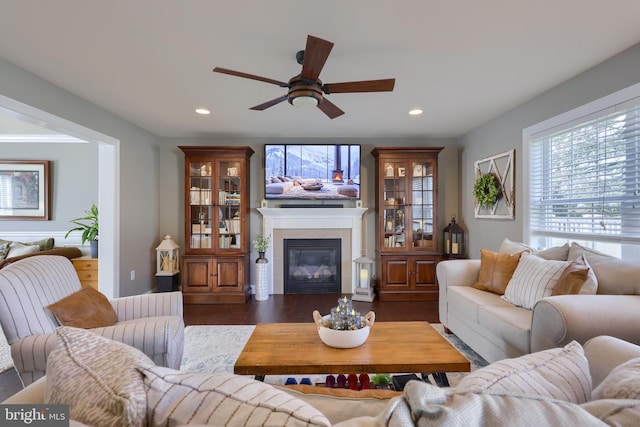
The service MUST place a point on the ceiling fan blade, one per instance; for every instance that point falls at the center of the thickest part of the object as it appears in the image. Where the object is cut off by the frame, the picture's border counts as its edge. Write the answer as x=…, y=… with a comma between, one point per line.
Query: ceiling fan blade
x=250, y=76
x=315, y=55
x=384, y=85
x=330, y=109
x=271, y=103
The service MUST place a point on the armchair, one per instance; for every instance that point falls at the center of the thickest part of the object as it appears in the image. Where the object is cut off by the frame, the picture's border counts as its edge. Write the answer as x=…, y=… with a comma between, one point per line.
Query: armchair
x=153, y=323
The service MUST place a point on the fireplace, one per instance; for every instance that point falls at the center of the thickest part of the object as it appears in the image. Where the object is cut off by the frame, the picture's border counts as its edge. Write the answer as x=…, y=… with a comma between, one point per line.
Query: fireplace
x=312, y=266
x=344, y=224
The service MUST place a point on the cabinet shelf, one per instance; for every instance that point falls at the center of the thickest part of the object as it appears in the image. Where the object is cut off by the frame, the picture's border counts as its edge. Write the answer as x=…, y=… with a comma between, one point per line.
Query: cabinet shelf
x=406, y=240
x=215, y=266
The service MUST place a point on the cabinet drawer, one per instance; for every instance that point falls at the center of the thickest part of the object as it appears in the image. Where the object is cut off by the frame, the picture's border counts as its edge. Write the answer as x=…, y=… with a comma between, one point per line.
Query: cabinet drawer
x=87, y=275
x=86, y=264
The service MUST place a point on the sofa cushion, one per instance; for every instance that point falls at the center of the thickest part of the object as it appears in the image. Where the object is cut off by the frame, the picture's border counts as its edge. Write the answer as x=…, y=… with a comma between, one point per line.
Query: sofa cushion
x=577, y=278
x=614, y=412
x=98, y=378
x=558, y=253
x=465, y=301
x=533, y=279
x=176, y=398
x=512, y=324
x=86, y=308
x=615, y=276
x=622, y=383
x=558, y=373
x=496, y=270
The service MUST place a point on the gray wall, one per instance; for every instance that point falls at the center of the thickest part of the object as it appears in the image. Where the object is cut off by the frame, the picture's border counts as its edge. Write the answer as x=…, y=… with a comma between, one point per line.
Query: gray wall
x=138, y=170
x=74, y=183
x=505, y=133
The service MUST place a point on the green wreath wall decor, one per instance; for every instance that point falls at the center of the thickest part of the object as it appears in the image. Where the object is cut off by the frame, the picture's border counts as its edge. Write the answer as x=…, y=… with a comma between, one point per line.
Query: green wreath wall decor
x=486, y=190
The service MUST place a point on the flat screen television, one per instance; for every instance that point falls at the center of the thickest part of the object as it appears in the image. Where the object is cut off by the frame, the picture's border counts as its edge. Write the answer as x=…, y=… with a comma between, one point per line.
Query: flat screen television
x=312, y=171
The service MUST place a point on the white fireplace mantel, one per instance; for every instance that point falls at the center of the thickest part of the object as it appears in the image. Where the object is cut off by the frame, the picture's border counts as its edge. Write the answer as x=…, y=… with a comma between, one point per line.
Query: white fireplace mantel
x=314, y=222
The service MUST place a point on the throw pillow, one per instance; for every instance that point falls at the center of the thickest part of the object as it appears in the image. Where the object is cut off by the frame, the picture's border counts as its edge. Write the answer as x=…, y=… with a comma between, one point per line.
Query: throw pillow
x=510, y=247
x=533, y=279
x=18, y=249
x=98, y=378
x=176, y=398
x=4, y=250
x=574, y=277
x=44, y=244
x=557, y=373
x=495, y=270
x=623, y=382
x=86, y=309
x=559, y=253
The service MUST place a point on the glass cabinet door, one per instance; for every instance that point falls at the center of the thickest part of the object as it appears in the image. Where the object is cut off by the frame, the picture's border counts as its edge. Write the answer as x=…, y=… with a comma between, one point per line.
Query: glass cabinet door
x=422, y=193
x=200, y=204
x=229, y=205
x=394, y=195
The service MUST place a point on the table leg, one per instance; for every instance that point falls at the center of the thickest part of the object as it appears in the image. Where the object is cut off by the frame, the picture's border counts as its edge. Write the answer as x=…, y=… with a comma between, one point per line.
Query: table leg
x=441, y=379
x=259, y=378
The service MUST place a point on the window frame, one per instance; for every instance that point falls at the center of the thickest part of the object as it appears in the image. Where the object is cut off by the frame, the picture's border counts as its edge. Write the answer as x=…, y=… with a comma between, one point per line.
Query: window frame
x=625, y=248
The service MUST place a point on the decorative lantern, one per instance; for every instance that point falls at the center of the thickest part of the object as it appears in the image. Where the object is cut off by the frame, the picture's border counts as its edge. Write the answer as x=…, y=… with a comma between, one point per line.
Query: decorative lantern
x=167, y=257
x=453, y=237
x=364, y=274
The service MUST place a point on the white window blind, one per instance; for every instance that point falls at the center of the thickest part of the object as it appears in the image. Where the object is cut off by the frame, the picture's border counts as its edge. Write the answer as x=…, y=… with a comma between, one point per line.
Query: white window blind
x=585, y=177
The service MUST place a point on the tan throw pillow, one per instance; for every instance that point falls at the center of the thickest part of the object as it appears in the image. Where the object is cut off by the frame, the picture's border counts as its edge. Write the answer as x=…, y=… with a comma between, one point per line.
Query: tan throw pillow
x=496, y=270
x=533, y=279
x=178, y=398
x=557, y=373
x=86, y=309
x=98, y=378
x=573, y=277
x=559, y=253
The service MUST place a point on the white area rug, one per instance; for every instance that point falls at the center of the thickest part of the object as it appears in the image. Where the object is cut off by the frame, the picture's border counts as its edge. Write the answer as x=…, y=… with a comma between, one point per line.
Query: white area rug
x=214, y=349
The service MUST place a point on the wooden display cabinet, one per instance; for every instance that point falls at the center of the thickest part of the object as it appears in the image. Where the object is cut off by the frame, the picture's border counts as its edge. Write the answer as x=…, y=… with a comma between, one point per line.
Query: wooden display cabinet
x=215, y=265
x=406, y=222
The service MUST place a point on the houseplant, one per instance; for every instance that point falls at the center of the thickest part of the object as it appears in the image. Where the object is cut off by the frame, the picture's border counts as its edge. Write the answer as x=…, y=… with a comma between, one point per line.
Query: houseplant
x=89, y=229
x=261, y=244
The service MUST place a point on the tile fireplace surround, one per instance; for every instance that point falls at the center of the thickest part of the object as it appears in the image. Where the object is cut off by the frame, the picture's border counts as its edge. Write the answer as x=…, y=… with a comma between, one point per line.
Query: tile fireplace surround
x=313, y=223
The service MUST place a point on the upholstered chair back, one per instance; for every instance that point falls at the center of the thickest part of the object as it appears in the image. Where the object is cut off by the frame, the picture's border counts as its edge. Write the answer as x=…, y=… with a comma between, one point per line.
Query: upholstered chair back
x=27, y=287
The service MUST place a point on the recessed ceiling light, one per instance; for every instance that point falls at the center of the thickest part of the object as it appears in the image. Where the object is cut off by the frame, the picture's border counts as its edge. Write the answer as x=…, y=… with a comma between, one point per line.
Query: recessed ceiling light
x=203, y=111
x=415, y=112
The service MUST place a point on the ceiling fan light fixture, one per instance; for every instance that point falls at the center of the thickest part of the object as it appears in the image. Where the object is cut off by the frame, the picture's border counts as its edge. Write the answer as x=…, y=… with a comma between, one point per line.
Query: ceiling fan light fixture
x=305, y=101
x=415, y=112
x=203, y=111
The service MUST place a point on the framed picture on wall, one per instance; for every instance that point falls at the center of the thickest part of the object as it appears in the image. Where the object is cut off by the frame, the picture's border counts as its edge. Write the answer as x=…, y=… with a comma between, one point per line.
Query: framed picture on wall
x=24, y=190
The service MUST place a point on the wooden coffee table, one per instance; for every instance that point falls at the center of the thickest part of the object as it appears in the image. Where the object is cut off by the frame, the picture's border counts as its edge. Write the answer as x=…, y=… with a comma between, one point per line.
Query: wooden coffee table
x=392, y=347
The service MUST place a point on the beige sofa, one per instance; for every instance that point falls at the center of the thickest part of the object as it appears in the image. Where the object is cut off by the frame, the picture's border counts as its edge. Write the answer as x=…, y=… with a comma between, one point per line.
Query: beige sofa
x=497, y=329
x=594, y=385
x=151, y=322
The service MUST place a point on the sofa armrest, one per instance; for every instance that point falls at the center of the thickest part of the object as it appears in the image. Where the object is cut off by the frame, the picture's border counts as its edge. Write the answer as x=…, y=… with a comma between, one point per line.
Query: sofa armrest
x=148, y=305
x=605, y=353
x=454, y=272
x=558, y=320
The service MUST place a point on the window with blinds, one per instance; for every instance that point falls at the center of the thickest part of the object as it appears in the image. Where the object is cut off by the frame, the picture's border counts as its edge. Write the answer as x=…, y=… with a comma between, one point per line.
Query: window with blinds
x=584, y=179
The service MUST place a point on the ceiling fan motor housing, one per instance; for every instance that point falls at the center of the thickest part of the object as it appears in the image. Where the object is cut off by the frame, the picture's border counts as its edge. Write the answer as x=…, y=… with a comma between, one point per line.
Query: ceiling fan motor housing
x=300, y=87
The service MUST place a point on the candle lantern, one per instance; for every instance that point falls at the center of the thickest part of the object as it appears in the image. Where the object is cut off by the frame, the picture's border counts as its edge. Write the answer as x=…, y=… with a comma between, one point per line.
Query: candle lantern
x=453, y=238
x=364, y=274
x=168, y=265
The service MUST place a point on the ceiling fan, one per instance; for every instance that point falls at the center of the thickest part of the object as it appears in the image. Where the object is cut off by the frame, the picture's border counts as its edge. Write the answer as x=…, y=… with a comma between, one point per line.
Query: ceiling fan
x=306, y=88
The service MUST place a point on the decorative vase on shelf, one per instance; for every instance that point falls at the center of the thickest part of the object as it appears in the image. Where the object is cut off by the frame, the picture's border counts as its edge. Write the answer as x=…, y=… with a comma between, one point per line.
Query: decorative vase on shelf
x=262, y=278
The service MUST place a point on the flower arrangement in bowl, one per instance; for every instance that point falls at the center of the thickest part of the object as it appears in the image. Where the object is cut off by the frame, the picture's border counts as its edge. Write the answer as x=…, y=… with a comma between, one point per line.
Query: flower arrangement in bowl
x=344, y=327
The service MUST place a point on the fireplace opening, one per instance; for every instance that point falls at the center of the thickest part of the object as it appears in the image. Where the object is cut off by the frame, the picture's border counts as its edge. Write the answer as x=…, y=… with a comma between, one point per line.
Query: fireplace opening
x=312, y=266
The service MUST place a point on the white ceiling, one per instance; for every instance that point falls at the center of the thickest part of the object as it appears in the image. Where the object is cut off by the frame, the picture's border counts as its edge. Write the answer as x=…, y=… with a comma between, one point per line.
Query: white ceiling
x=463, y=62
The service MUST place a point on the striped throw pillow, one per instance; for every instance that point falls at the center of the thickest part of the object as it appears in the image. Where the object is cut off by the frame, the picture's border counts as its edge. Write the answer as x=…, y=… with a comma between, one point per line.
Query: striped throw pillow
x=177, y=398
x=557, y=373
x=533, y=279
x=98, y=378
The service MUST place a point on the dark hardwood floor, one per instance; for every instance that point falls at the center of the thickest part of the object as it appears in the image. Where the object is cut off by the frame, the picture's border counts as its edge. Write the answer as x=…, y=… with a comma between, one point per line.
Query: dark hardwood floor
x=277, y=309
x=298, y=308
